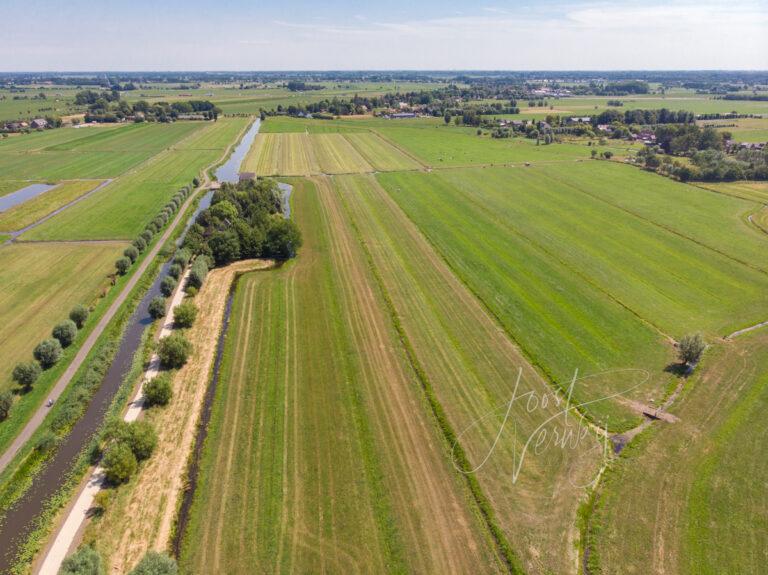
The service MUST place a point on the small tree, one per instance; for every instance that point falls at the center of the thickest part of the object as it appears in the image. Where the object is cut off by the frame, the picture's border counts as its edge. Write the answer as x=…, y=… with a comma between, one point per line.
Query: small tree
x=119, y=463
x=65, y=332
x=182, y=257
x=593, y=153
x=48, y=352
x=690, y=348
x=154, y=563
x=175, y=271
x=607, y=154
x=167, y=285
x=158, y=391
x=139, y=244
x=85, y=561
x=174, y=351
x=79, y=315
x=157, y=307
x=122, y=265
x=197, y=273
x=142, y=439
x=184, y=315
x=26, y=373
x=131, y=253
x=6, y=404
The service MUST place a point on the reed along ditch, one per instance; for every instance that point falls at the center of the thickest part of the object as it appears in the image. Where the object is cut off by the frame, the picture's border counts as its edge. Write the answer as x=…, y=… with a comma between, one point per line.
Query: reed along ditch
x=23, y=517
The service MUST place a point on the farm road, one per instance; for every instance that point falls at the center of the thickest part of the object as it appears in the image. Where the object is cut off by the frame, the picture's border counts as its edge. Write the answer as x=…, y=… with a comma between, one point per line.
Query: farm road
x=37, y=419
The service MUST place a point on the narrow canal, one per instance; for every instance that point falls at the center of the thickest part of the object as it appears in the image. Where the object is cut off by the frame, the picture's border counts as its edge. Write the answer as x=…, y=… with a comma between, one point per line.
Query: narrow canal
x=21, y=519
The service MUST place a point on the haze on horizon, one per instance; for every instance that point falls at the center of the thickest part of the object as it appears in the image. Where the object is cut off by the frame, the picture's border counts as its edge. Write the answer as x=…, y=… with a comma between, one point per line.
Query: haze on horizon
x=44, y=35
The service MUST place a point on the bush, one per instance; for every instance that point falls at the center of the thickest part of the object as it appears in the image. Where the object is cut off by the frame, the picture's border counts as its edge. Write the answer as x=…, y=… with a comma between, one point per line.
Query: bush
x=158, y=391
x=690, y=348
x=157, y=307
x=86, y=561
x=167, y=286
x=197, y=273
x=79, y=315
x=131, y=253
x=48, y=352
x=122, y=265
x=182, y=257
x=185, y=314
x=142, y=439
x=139, y=244
x=192, y=291
x=119, y=463
x=6, y=404
x=175, y=271
x=46, y=442
x=26, y=373
x=174, y=351
x=154, y=563
x=65, y=332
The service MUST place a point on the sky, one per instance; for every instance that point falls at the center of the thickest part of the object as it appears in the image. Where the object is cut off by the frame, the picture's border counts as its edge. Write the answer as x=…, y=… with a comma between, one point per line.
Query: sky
x=136, y=35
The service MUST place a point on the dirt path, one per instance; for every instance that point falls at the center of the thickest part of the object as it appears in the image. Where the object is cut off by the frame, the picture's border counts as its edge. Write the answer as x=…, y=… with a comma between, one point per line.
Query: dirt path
x=37, y=418
x=152, y=502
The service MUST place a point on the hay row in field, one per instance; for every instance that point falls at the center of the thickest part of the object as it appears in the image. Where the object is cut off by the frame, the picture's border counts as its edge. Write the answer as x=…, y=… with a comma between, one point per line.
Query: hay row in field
x=303, y=154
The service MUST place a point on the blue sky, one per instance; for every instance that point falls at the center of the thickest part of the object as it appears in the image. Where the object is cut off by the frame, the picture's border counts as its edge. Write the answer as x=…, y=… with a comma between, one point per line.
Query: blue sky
x=396, y=34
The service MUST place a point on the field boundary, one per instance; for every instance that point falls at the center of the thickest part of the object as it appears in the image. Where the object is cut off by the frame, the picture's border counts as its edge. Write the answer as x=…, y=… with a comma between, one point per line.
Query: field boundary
x=664, y=227
x=449, y=435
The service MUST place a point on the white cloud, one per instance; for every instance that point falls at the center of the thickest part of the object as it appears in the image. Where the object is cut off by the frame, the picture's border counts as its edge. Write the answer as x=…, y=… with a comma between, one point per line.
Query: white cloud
x=589, y=35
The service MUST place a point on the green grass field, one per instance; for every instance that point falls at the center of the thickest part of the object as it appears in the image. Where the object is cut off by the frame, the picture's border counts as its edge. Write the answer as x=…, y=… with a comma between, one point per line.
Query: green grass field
x=33, y=210
x=95, y=152
x=713, y=220
x=305, y=154
x=41, y=283
x=440, y=146
x=755, y=191
x=123, y=208
x=689, y=498
x=321, y=454
x=559, y=314
x=472, y=367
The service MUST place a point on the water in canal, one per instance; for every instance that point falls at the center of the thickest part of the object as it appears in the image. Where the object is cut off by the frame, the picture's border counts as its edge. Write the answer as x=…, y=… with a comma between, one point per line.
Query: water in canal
x=19, y=521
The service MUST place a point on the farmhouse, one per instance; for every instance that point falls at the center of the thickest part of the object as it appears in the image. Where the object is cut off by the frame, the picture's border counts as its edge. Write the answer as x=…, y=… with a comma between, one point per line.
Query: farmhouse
x=579, y=120
x=39, y=123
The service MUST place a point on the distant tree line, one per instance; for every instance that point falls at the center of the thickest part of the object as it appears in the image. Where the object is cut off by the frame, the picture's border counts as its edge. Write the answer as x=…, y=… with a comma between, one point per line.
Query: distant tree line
x=299, y=86
x=108, y=107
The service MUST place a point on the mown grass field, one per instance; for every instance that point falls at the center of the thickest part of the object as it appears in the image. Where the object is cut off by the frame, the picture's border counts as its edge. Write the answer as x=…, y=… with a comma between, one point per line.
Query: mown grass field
x=715, y=221
x=33, y=210
x=69, y=153
x=123, y=208
x=756, y=191
x=689, y=498
x=555, y=312
x=41, y=283
x=472, y=367
x=321, y=454
x=439, y=146
x=304, y=154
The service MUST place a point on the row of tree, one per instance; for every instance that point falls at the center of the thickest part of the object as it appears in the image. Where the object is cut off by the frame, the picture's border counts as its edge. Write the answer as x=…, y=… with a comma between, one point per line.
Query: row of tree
x=45, y=355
